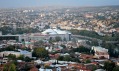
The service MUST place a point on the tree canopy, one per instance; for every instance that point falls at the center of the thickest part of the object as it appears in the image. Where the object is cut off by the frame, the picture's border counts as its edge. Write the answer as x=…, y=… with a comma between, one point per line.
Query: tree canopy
x=81, y=49
x=11, y=67
x=109, y=65
x=40, y=52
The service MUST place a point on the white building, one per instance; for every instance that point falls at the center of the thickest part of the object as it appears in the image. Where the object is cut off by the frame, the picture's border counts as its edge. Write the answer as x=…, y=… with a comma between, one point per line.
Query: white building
x=3, y=60
x=34, y=37
x=6, y=53
x=57, y=32
x=47, y=34
x=25, y=53
x=45, y=69
x=99, y=70
x=100, y=52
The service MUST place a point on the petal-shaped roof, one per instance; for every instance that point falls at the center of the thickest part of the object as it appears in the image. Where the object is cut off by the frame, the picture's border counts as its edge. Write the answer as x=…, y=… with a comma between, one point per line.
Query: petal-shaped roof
x=55, y=31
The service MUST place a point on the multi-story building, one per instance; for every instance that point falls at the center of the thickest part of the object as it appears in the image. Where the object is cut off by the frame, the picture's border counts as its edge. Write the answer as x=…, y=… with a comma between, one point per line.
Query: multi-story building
x=100, y=52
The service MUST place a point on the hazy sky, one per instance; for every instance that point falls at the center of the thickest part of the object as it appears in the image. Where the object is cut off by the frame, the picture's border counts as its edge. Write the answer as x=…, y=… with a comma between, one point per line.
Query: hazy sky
x=30, y=3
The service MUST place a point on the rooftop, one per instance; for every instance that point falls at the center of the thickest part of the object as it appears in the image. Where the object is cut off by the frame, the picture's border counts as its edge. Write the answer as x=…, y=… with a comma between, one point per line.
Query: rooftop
x=55, y=31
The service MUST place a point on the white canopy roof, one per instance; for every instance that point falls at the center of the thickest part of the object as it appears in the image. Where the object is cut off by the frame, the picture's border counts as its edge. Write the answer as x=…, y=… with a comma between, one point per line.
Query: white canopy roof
x=55, y=31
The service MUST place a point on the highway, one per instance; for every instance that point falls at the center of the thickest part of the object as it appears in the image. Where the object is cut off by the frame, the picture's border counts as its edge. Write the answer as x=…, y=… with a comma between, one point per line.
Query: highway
x=99, y=40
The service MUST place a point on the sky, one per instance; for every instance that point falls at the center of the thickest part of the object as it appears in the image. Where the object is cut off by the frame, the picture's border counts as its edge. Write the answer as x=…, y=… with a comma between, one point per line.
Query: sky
x=37, y=3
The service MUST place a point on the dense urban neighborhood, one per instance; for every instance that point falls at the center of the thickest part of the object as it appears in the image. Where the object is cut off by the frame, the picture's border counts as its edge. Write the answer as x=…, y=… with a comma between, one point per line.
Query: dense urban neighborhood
x=59, y=39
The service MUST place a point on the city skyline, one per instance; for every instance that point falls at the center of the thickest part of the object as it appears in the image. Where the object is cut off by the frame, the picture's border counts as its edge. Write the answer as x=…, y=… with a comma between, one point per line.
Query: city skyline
x=37, y=3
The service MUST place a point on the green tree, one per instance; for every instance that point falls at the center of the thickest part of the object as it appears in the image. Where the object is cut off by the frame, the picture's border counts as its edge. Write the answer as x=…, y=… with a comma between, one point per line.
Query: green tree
x=10, y=48
x=109, y=65
x=94, y=43
x=57, y=38
x=38, y=66
x=21, y=57
x=27, y=59
x=81, y=49
x=40, y=52
x=12, y=67
x=60, y=58
x=67, y=58
x=116, y=25
x=12, y=56
x=26, y=67
x=94, y=68
x=116, y=68
x=87, y=61
x=92, y=52
x=76, y=60
x=5, y=67
x=63, y=46
x=39, y=43
x=85, y=33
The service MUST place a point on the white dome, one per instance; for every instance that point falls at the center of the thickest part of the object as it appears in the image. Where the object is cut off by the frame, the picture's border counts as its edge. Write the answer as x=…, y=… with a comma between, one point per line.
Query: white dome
x=55, y=31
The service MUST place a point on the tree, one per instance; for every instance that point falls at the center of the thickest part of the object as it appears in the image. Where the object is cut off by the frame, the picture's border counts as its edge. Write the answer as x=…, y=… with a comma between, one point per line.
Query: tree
x=57, y=38
x=109, y=65
x=63, y=46
x=40, y=52
x=116, y=68
x=39, y=43
x=12, y=67
x=10, y=48
x=21, y=57
x=5, y=67
x=60, y=58
x=76, y=60
x=27, y=59
x=88, y=61
x=94, y=43
x=26, y=67
x=85, y=33
x=92, y=52
x=67, y=58
x=12, y=56
x=94, y=68
x=81, y=49
x=38, y=66
x=46, y=27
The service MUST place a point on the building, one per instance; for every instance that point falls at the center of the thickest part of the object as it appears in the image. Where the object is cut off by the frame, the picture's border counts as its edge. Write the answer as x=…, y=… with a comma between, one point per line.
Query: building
x=57, y=32
x=6, y=53
x=45, y=69
x=25, y=53
x=10, y=37
x=100, y=52
x=3, y=60
x=47, y=34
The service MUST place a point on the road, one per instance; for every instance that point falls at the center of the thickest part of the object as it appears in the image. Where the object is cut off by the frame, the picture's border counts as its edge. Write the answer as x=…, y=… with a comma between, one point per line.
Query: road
x=99, y=40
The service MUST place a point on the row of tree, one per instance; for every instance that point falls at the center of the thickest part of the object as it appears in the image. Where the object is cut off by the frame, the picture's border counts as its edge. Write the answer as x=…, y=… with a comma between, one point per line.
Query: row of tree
x=85, y=33
x=68, y=58
x=21, y=57
x=81, y=49
x=93, y=34
x=9, y=67
x=111, y=66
